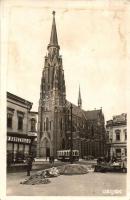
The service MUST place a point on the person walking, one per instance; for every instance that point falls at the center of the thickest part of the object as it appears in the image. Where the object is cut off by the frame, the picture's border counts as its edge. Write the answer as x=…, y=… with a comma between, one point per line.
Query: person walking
x=29, y=161
x=52, y=160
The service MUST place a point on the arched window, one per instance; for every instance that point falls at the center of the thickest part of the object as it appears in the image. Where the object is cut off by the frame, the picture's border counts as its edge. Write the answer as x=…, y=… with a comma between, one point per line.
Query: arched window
x=118, y=152
x=47, y=124
x=9, y=120
x=44, y=125
x=33, y=124
x=92, y=130
x=117, y=134
x=63, y=144
x=20, y=123
x=10, y=113
x=61, y=126
x=50, y=125
x=125, y=133
x=20, y=120
x=48, y=74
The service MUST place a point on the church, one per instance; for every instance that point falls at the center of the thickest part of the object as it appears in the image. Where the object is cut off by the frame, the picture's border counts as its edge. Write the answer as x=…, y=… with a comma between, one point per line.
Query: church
x=57, y=117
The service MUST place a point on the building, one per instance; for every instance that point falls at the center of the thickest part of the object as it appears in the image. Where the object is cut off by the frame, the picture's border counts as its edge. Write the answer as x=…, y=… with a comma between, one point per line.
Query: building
x=54, y=112
x=88, y=132
x=21, y=128
x=117, y=136
x=32, y=130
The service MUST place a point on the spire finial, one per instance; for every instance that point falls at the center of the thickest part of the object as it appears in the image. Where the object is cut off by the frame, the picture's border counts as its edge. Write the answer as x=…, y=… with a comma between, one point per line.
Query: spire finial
x=79, y=99
x=53, y=38
x=53, y=12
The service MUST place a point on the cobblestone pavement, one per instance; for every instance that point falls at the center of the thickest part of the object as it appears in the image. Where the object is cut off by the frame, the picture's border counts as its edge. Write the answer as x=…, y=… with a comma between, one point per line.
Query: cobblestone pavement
x=91, y=184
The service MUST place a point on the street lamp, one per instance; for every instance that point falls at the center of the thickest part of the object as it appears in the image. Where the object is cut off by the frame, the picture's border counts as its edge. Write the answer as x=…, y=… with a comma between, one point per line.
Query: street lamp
x=71, y=137
x=69, y=113
x=111, y=148
x=70, y=107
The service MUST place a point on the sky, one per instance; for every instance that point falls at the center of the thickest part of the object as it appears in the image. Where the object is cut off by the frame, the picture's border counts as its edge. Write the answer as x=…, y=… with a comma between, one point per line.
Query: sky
x=92, y=39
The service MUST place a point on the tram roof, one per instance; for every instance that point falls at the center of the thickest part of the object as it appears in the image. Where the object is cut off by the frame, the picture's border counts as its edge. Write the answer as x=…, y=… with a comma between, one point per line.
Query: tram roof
x=68, y=150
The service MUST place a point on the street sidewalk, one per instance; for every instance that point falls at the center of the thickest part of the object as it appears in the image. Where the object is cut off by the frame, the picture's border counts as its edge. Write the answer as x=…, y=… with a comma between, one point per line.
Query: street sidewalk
x=90, y=184
x=37, y=165
x=44, y=164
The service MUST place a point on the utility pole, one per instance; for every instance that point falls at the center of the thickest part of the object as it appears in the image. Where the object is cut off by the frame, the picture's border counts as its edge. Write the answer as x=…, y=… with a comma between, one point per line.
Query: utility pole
x=71, y=137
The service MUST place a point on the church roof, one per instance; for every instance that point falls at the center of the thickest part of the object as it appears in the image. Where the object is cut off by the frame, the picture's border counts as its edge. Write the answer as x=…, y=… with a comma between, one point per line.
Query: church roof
x=92, y=114
x=75, y=110
x=88, y=115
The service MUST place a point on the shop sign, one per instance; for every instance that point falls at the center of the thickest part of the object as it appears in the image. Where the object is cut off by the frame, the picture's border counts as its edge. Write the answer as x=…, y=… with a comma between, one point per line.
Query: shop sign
x=32, y=134
x=17, y=139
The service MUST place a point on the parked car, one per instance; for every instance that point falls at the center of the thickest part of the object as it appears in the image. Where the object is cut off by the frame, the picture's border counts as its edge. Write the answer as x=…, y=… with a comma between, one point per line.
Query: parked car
x=117, y=166
x=89, y=157
x=19, y=157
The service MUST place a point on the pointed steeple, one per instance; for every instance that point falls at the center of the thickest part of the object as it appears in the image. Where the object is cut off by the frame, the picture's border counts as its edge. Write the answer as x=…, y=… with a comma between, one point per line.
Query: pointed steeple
x=53, y=38
x=79, y=99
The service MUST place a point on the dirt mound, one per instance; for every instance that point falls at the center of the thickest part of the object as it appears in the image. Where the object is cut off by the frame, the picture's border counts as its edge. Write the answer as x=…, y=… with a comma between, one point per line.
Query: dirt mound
x=72, y=169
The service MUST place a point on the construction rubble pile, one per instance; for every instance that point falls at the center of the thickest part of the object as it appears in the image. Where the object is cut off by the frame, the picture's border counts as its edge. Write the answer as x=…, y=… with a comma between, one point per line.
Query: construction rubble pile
x=41, y=177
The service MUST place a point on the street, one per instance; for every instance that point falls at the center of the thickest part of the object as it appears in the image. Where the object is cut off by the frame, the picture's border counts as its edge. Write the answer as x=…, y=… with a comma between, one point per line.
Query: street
x=90, y=184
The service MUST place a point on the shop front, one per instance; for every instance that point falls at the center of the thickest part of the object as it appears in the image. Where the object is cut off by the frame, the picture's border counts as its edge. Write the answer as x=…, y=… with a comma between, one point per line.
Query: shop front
x=18, y=148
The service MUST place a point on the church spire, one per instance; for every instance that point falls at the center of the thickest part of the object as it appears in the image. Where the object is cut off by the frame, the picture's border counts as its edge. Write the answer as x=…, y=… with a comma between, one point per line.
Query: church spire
x=53, y=38
x=79, y=99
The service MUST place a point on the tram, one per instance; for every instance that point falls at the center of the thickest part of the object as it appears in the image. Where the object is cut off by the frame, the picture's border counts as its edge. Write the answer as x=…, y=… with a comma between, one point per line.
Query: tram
x=64, y=155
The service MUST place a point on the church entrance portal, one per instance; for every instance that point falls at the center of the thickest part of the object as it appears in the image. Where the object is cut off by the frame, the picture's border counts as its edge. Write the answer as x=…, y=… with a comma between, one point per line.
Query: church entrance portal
x=45, y=148
x=47, y=152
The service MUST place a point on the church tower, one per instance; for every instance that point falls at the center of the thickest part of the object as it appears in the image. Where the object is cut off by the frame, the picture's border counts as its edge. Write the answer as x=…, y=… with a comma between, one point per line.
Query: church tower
x=79, y=99
x=51, y=118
